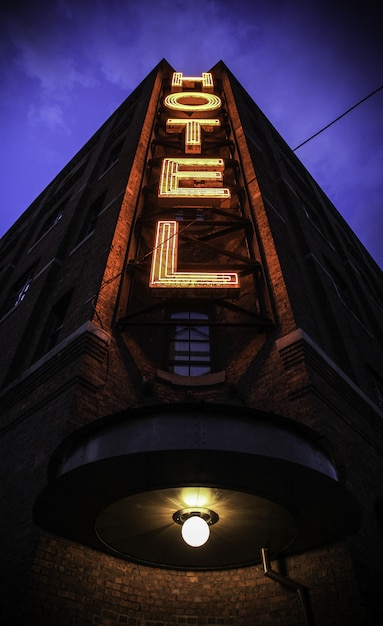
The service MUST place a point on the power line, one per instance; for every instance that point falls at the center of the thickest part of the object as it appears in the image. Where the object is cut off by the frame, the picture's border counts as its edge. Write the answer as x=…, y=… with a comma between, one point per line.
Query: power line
x=338, y=118
x=255, y=178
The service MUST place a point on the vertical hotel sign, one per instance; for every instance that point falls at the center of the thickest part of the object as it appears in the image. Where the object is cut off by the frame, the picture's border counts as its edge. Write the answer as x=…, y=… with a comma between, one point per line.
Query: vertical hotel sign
x=189, y=181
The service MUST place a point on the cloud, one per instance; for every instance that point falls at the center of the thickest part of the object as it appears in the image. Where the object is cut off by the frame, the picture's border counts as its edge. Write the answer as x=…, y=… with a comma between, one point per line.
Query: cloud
x=55, y=71
x=67, y=64
x=49, y=115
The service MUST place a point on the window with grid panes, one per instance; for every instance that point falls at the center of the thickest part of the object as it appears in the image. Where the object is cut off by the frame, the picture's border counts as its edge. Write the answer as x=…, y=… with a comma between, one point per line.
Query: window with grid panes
x=190, y=349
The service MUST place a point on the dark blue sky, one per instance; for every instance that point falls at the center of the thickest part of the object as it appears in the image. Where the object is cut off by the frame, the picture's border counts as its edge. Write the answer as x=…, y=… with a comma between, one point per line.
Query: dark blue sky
x=66, y=65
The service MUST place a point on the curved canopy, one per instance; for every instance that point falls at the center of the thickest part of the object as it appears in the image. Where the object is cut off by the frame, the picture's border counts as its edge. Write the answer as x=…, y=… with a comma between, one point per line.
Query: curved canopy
x=116, y=484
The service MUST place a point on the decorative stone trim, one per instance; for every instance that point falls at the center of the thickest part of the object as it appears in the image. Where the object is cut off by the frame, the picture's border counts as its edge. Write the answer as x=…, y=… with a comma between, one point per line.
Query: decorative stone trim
x=298, y=347
x=88, y=339
x=192, y=381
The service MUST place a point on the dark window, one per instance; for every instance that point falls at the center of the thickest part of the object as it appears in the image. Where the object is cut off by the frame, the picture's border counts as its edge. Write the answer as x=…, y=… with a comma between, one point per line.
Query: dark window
x=379, y=511
x=113, y=155
x=54, y=325
x=379, y=394
x=378, y=388
x=312, y=217
x=70, y=176
x=190, y=350
x=192, y=214
x=341, y=287
x=22, y=291
x=92, y=217
x=51, y=221
x=18, y=292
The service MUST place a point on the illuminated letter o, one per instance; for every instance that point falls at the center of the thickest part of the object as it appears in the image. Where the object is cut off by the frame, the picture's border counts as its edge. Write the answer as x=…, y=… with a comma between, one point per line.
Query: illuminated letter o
x=192, y=101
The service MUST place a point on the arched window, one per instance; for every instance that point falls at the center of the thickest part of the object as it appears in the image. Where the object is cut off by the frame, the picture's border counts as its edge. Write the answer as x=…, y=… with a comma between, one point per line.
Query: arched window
x=190, y=350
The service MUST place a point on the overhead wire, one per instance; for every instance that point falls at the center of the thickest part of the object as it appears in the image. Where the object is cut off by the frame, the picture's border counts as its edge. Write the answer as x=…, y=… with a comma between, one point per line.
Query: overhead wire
x=339, y=117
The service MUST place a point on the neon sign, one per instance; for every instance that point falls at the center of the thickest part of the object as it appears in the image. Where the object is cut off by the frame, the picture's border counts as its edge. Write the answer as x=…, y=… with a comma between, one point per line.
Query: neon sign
x=164, y=271
x=206, y=80
x=191, y=101
x=192, y=131
x=189, y=182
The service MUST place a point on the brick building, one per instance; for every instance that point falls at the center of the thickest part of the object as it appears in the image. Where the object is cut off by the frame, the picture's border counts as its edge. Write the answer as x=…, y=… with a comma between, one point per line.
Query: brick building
x=190, y=332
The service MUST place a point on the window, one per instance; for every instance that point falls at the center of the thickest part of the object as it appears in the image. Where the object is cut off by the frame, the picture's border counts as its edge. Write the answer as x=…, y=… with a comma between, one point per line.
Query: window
x=92, y=217
x=377, y=383
x=379, y=511
x=54, y=325
x=18, y=292
x=192, y=214
x=113, y=155
x=379, y=394
x=189, y=353
x=22, y=290
x=70, y=175
x=312, y=217
x=51, y=221
x=341, y=287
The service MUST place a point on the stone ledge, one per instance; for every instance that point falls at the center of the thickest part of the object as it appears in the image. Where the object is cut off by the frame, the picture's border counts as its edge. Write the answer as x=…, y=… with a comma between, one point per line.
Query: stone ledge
x=88, y=339
x=298, y=347
x=192, y=381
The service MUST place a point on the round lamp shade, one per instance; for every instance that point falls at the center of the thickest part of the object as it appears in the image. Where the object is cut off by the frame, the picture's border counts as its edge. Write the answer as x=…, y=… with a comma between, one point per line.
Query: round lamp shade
x=127, y=484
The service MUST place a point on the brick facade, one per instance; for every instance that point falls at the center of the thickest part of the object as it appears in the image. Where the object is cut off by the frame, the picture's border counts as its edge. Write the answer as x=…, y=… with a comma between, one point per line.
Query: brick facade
x=317, y=363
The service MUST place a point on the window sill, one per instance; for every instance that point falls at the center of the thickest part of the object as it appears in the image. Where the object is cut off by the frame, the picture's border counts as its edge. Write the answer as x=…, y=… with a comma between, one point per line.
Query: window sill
x=192, y=381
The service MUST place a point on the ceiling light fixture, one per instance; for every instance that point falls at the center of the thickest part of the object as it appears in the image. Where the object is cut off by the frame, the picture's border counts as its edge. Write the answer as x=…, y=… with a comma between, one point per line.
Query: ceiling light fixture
x=272, y=482
x=195, y=525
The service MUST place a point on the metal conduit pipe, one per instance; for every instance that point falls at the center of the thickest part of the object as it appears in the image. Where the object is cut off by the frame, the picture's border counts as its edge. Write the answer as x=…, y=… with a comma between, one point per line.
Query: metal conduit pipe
x=301, y=590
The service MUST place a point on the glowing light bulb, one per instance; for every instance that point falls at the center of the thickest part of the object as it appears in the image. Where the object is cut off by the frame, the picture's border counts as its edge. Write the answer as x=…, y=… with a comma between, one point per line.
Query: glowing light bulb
x=195, y=531
x=196, y=496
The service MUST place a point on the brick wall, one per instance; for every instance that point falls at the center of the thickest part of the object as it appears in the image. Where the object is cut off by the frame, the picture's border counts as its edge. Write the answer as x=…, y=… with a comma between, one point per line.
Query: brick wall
x=72, y=584
x=104, y=369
